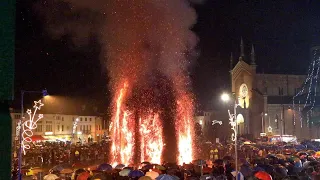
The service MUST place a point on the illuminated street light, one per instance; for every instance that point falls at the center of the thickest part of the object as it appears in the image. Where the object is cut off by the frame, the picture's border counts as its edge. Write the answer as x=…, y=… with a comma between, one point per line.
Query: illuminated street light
x=225, y=97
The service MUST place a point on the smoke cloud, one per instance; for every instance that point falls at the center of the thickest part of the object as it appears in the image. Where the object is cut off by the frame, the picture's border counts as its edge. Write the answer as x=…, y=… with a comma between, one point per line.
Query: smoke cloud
x=137, y=37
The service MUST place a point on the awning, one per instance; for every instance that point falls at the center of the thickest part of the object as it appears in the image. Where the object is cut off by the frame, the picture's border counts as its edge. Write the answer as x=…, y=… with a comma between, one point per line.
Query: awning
x=37, y=138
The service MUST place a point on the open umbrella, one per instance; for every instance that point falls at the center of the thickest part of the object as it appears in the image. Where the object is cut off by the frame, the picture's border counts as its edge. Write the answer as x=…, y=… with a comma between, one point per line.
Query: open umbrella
x=83, y=176
x=152, y=174
x=66, y=171
x=147, y=167
x=311, y=152
x=159, y=167
x=104, y=167
x=157, y=170
x=120, y=166
x=136, y=174
x=50, y=177
x=124, y=172
x=263, y=175
x=145, y=162
x=145, y=178
x=58, y=168
x=317, y=154
x=166, y=177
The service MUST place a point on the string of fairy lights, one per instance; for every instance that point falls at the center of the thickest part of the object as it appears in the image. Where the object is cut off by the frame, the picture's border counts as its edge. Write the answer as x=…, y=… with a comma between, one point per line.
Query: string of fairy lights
x=308, y=89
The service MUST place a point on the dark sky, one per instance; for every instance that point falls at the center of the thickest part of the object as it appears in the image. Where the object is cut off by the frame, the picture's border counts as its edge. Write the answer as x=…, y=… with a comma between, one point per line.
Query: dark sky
x=282, y=33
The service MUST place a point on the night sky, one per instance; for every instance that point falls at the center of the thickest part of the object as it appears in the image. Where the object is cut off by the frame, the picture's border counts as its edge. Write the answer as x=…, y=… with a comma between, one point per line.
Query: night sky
x=282, y=33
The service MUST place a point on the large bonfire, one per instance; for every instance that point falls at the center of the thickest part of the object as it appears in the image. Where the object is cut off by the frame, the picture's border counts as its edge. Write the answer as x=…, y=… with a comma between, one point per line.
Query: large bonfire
x=142, y=43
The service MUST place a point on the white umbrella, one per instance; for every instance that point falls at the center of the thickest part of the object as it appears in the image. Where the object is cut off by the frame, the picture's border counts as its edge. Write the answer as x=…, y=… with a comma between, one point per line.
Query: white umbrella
x=50, y=177
x=152, y=174
x=124, y=172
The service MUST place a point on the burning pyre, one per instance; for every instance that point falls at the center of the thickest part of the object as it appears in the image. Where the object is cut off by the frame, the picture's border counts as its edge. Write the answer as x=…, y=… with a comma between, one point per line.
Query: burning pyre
x=138, y=39
x=142, y=140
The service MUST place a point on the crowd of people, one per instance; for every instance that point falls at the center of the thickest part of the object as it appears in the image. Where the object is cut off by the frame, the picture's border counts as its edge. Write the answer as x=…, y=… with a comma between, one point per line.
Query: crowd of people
x=264, y=162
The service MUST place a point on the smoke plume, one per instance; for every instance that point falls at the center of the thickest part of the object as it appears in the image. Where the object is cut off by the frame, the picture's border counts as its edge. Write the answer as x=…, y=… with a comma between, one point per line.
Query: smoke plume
x=137, y=36
x=146, y=46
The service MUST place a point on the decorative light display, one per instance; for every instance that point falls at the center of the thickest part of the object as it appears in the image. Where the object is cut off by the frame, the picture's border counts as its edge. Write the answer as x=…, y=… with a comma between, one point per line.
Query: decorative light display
x=18, y=130
x=233, y=123
x=75, y=124
x=216, y=122
x=29, y=125
x=308, y=89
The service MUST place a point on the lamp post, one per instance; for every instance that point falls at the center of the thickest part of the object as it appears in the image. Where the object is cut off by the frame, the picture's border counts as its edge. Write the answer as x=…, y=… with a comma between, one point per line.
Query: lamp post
x=44, y=93
x=234, y=126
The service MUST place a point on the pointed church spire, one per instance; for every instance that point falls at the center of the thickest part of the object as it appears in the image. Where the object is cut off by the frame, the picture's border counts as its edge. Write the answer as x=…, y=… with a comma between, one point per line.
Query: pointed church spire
x=231, y=61
x=253, y=56
x=242, y=50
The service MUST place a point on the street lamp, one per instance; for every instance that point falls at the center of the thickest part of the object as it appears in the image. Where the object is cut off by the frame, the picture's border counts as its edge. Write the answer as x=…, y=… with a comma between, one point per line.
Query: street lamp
x=44, y=93
x=234, y=126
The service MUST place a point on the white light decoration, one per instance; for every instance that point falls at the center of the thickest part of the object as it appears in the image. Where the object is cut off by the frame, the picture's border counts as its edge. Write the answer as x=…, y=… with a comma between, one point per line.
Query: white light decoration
x=309, y=88
x=18, y=130
x=270, y=129
x=216, y=122
x=75, y=126
x=29, y=125
x=233, y=123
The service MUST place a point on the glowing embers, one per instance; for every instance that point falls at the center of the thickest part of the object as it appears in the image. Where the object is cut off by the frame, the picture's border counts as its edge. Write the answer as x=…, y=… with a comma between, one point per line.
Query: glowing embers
x=184, y=129
x=151, y=142
x=122, y=131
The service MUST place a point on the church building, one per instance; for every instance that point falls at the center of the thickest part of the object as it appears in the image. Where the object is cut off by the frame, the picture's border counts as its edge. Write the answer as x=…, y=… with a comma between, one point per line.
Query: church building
x=266, y=101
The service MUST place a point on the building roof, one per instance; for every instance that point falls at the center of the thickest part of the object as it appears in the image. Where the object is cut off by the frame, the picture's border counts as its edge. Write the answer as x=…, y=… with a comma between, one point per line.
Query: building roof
x=67, y=106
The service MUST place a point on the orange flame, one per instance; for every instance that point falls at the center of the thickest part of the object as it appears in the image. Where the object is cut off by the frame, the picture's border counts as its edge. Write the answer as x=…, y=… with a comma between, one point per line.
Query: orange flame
x=123, y=134
x=184, y=128
x=122, y=131
x=151, y=138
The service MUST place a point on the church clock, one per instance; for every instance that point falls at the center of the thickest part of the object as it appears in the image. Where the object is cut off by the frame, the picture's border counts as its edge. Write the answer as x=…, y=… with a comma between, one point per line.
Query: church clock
x=244, y=96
